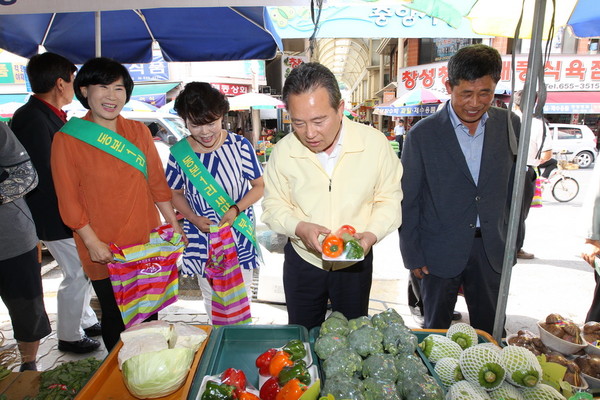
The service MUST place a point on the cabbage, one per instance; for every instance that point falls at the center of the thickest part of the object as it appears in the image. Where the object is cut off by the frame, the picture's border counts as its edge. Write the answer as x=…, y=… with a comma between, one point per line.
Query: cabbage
x=157, y=373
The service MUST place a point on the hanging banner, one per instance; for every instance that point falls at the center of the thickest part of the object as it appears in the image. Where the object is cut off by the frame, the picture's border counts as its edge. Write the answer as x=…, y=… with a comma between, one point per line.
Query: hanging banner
x=361, y=21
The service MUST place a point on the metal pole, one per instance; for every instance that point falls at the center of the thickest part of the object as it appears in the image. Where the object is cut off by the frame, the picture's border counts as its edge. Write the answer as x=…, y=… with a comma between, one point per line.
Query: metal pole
x=528, y=101
x=98, y=30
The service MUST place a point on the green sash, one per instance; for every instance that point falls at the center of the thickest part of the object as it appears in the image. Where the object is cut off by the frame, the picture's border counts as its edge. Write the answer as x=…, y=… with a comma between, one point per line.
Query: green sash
x=106, y=140
x=209, y=188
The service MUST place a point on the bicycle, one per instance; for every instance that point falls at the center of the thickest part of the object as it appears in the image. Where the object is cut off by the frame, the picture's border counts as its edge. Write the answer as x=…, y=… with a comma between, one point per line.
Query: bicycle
x=564, y=187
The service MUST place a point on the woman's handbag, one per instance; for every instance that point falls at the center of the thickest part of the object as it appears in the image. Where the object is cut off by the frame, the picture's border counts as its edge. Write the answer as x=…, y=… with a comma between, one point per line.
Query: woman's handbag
x=230, y=304
x=145, y=277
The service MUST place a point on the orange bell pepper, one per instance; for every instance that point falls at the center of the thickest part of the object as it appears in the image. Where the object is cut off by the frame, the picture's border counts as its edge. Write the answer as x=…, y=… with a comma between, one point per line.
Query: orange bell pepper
x=333, y=246
x=280, y=359
x=248, y=396
x=291, y=390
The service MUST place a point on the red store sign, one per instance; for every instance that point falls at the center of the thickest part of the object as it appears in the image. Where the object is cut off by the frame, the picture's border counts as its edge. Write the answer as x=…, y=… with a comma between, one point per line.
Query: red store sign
x=561, y=73
x=230, y=89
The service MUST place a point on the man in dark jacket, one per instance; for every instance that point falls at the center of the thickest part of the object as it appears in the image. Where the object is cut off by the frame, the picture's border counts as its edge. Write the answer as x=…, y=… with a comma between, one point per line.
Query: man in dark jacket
x=51, y=77
x=457, y=190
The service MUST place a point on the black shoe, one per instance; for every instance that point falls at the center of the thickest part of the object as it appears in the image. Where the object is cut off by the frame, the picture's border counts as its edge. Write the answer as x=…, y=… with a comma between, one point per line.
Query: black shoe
x=456, y=316
x=94, y=330
x=28, y=366
x=85, y=345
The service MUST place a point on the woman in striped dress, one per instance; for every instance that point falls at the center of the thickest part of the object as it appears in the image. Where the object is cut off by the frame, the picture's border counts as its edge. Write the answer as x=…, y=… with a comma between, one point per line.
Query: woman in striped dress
x=232, y=161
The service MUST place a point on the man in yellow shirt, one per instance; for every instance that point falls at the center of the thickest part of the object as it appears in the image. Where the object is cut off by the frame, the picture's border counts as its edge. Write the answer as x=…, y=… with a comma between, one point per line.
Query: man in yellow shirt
x=330, y=172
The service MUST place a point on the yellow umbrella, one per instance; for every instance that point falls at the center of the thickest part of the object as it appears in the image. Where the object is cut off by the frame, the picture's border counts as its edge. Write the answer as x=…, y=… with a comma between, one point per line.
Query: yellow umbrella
x=500, y=18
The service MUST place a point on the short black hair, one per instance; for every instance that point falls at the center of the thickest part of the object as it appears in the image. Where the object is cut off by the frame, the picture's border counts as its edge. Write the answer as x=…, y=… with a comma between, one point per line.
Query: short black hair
x=44, y=69
x=474, y=62
x=101, y=71
x=309, y=76
x=200, y=103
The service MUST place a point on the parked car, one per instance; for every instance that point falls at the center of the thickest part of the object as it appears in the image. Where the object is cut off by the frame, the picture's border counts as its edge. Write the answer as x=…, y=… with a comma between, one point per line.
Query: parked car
x=167, y=129
x=578, y=141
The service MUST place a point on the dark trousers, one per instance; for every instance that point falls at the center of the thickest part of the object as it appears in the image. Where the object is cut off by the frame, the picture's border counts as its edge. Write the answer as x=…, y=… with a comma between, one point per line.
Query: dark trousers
x=548, y=166
x=480, y=286
x=112, y=323
x=308, y=288
x=528, y=192
x=594, y=312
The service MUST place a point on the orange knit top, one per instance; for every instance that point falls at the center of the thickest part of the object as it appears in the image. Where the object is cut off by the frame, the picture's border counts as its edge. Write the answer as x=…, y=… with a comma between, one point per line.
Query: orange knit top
x=93, y=187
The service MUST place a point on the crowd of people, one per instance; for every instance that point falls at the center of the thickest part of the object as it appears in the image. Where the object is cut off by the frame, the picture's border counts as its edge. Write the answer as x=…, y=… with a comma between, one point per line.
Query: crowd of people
x=448, y=196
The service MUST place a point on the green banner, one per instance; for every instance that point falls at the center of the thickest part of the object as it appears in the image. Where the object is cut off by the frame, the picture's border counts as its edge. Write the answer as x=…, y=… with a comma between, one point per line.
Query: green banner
x=209, y=188
x=108, y=141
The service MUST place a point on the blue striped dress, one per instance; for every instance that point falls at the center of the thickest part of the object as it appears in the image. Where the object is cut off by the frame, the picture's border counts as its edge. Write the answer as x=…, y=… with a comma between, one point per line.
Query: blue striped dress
x=233, y=165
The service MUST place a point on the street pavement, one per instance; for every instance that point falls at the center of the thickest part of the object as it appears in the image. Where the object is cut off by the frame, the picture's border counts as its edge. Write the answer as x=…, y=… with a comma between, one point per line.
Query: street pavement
x=556, y=281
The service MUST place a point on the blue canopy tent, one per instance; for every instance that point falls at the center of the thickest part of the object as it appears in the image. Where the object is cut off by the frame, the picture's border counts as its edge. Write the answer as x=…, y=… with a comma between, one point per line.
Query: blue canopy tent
x=183, y=34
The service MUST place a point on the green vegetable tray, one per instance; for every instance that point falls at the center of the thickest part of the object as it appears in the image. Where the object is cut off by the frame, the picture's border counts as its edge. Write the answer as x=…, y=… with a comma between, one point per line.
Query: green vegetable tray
x=419, y=333
x=237, y=346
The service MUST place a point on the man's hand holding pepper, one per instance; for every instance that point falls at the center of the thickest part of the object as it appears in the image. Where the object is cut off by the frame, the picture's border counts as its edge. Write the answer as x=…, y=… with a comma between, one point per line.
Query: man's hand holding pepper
x=309, y=234
x=366, y=240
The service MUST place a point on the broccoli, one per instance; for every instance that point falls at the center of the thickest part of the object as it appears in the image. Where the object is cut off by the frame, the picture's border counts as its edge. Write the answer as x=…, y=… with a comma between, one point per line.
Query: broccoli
x=342, y=387
x=425, y=388
x=326, y=345
x=380, y=389
x=384, y=318
x=338, y=315
x=366, y=340
x=408, y=345
x=356, y=323
x=345, y=362
x=380, y=366
x=409, y=367
x=393, y=335
x=334, y=325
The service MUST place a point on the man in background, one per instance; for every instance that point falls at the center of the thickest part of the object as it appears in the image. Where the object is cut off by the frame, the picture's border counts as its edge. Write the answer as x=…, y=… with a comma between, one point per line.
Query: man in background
x=540, y=151
x=457, y=193
x=51, y=77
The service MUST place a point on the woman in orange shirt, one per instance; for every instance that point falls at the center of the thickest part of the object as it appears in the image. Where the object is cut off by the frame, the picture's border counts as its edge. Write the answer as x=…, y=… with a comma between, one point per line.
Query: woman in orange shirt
x=101, y=197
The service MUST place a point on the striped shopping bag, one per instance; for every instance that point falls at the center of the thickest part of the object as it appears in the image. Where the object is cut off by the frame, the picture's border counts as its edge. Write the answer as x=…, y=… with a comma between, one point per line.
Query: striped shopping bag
x=230, y=304
x=145, y=278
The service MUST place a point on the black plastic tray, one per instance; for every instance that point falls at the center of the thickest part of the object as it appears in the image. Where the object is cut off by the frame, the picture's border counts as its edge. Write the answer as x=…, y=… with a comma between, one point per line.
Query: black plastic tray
x=237, y=346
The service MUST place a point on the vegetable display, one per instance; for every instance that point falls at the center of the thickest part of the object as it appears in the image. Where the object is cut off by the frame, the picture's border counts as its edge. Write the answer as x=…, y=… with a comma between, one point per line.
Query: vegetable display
x=485, y=371
x=66, y=380
x=156, y=357
x=371, y=359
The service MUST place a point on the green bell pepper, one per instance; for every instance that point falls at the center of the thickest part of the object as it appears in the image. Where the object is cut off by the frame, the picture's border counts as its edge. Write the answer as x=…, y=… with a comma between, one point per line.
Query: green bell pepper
x=353, y=250
x=218, y=391
x=295, y=348
x=298, y=371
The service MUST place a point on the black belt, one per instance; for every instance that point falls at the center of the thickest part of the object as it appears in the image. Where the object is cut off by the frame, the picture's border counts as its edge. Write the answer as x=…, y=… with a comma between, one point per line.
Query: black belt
x=478, y=232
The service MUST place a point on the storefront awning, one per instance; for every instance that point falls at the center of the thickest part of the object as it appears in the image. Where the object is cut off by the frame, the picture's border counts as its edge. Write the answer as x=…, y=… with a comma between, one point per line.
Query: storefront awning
x=572, y=103
x=14, y=97
x=154, y=93
x=154, y=88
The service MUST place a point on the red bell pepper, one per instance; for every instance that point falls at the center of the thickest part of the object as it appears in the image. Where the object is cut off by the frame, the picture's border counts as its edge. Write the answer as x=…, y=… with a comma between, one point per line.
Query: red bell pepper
x=269, y=389
x=263, y=361
x=234, y=377
x=349, y=229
